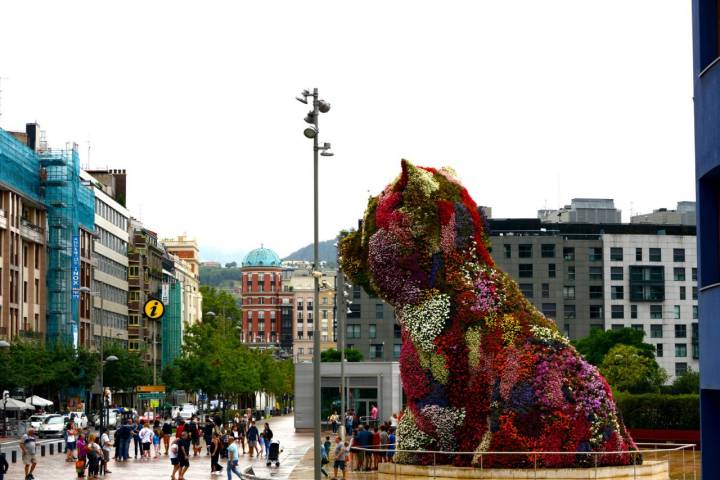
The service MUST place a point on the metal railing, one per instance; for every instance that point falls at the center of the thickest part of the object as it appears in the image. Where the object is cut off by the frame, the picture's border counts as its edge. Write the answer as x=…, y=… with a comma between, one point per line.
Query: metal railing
x=648, y=451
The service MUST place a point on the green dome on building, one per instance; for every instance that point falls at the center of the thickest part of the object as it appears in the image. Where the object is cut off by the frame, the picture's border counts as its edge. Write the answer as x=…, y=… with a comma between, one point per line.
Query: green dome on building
x=261, y=257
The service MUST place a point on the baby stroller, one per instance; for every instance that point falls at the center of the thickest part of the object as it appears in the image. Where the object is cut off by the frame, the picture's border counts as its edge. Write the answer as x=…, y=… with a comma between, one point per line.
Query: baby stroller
x=273, y=453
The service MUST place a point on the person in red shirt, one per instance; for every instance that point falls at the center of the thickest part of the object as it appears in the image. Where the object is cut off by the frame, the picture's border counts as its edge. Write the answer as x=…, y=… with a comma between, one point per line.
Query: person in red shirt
x=180, y=429
x=375, y=445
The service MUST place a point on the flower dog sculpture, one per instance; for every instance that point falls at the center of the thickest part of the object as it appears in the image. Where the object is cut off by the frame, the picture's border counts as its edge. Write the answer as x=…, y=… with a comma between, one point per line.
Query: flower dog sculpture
x=483, y=370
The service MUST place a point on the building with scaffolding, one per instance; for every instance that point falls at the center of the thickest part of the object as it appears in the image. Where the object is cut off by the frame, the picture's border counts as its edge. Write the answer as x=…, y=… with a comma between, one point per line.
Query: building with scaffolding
x=45, y=209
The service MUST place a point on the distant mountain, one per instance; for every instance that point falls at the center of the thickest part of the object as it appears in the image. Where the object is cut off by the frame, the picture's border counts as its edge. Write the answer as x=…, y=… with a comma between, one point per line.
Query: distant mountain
x=326, y=250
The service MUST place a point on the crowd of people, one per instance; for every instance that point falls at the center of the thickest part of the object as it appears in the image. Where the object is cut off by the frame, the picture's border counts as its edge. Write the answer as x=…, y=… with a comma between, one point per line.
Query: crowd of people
x=181, y=440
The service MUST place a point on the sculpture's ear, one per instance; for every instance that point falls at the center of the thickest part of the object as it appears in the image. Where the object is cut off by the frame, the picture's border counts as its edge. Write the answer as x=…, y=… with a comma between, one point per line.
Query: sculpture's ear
x=406, y=166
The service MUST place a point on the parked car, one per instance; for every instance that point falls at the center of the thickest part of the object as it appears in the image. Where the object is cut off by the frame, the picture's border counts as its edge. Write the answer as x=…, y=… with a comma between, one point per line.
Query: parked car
x=111, y=417
x=81, y=420
x=188, y=410
x=52, y=426
x=36, y=420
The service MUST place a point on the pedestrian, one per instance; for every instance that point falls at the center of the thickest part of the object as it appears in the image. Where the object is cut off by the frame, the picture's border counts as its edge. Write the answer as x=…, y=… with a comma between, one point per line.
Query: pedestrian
x=391, y=444
x=327, y=445
x=214, y=448
x=242, y=431
x=167, y=432
x=208, y=434
x=28, y=447
x=156, y=441
x=194, y=432
x=180, y=428
x=261, y=444
x=340, y=453
x=184, y=454
x=123, y=435
x=4, y=466
x=81, y=447
x=252, y=438
x=394, y=420
x=375, y=446
x=105, y=445
x=333, y=421
x=174, y=457
x=232, y=462
x=94, y=454
x=145, y=435
x=383, y=443
x=71, y=442
x=135, y=432
x=374, y=414
x=324, y=459
x=364, y=439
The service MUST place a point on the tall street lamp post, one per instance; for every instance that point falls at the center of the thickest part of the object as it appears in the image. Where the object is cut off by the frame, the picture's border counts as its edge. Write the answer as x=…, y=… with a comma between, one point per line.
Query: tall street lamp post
x=4, y=345
x=319, y=106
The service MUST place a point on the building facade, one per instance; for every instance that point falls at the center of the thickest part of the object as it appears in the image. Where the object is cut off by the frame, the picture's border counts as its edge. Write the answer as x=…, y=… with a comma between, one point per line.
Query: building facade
x=109, y=246
x=185, y=254
x=183, y=304
x=706, y=78
x=586, y=276
x=302, y=286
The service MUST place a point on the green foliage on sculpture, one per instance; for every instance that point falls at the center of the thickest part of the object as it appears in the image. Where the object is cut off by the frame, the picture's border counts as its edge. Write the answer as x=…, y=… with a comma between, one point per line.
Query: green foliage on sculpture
x=482, y=369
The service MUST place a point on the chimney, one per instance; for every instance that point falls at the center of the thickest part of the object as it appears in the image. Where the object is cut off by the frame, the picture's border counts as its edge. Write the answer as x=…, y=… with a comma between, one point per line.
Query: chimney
x=32, y=130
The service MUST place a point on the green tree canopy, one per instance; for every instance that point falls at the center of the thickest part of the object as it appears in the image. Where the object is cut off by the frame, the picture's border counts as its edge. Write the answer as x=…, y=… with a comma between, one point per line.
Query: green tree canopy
x=598, y=344
x=128, y=371
x=221, y=303
x=628, y=369
x=689, y=382
x=332, y=355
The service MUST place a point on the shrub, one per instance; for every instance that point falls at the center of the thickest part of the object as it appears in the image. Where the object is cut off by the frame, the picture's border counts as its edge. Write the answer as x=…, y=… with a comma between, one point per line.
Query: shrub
x=658, y=411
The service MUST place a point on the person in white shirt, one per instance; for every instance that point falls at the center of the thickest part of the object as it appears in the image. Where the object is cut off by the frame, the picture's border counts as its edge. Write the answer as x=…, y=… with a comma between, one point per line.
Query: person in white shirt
x=105, y=444
x=146, y=436
x=233, y=458
x=173, y=454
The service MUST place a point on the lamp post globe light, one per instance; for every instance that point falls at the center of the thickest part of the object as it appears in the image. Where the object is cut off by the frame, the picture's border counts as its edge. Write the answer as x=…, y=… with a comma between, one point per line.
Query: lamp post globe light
x=312, y=132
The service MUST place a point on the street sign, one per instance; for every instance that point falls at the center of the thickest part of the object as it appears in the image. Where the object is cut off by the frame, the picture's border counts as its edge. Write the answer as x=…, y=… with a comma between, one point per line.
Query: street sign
x=151, y=396
x=154, y=309
x=150, y=388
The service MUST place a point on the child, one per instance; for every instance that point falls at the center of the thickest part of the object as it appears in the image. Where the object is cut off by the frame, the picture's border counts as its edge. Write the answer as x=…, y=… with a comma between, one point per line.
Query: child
x=156, y=443
x=327, y=445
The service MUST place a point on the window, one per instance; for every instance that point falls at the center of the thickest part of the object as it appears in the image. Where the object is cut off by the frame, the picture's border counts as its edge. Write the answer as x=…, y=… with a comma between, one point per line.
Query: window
x=571, y=273
x=655, y=255
x=617, y=311
x=659, y=350
x=680, y=367
x=547, y=250
x=372, y=330
x=134, y=320
x=616, y=273
x=525, y=270
x=676, y=312
x=525, y=250
x=569, y=312
x=356, y=292
x=569, y=254
x=379, y=311
x=545, y=288
x=679, y=274
x=354, y=310
x=647, y=283
x=549, y=310
x=617, y=292
x=656, y=312
x=551, y=270
x=397, y=331
x=596, y=312
x=527, y=289
x=638, y=254
x=633, y=311
x=617, y=326
x=376, y=350
x=680, y=331
x=683, y=293
x=681, y=350
x=569, y=292
x=396, y=350
x=656, y=331
x=694, y=274
x=595, y=254
x=596, y=292
x=616, y=254
x=695, y=312
x=352, y=331
x=508, y=250
x=596, y=273
x=678, y=254
x=637, y=326
x=694, y=293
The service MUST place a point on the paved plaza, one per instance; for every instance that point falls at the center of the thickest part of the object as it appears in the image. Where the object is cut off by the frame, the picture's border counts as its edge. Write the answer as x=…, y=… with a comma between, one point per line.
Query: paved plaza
x=294, y=446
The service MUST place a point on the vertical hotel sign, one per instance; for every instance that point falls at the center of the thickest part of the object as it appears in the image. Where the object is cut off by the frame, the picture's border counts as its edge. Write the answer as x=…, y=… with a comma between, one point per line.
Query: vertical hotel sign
x=75, y=267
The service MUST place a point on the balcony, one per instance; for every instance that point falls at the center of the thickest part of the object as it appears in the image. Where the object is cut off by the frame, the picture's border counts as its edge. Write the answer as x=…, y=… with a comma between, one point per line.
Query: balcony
x=32, y=232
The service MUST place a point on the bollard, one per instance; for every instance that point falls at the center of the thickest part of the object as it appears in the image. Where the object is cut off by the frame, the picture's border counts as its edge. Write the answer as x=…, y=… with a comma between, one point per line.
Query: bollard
x=52, y=448
x=59, y=447
x=13, y=456
x=42, y=450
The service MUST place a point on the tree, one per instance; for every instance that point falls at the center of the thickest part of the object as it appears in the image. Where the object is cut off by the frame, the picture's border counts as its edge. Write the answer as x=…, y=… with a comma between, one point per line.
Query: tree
x=598, y=344
x=689, y=382
x=332, y=355
x=221, y=303
x=128, y=371
x=628, y=369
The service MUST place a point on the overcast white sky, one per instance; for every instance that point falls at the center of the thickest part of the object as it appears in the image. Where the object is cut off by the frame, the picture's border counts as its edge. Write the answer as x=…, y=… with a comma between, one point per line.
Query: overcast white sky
x=532, y=102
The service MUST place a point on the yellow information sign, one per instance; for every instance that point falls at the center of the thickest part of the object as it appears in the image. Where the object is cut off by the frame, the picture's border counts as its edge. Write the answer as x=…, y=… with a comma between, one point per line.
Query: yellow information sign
x=154, y=309
x=150, y=388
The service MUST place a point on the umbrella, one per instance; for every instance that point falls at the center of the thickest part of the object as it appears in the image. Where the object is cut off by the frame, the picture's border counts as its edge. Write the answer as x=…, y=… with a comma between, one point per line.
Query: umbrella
x=13, y=404
x=38, y=401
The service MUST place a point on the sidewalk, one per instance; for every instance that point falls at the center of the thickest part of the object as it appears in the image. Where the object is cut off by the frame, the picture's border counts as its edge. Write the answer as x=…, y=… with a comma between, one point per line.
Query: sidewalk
x=294, y=447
